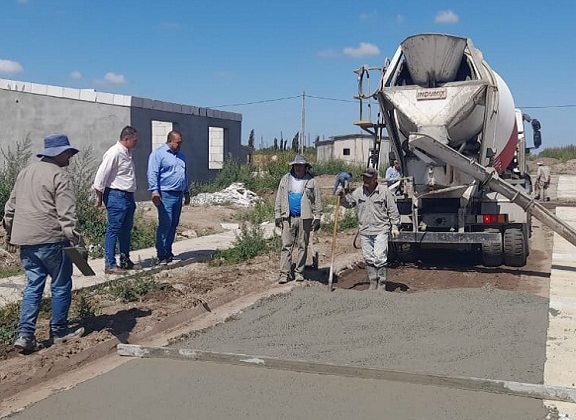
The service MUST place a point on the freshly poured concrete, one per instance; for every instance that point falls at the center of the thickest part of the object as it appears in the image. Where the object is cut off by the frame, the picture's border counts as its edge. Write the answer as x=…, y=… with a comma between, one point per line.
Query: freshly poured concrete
x=560, y=368
x=485, y=333
x=166, y=389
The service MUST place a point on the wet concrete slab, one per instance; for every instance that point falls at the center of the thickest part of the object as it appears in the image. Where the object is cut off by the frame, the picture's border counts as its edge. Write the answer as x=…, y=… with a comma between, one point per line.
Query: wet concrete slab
x=154, y=389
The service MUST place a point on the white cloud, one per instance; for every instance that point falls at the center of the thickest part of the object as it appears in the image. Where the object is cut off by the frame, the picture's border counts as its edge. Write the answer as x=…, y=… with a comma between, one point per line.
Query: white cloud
x=400, y=19
x=365, y=49
x=447, y=16
x=114, y=79
x=328, y=54
x=76, y=75
x=10, y=67
x=365, y=17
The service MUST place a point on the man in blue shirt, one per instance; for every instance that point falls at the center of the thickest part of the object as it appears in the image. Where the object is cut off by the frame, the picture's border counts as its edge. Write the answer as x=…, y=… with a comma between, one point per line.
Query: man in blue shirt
x=297, y=211
x=342, y=180
x=168, y=183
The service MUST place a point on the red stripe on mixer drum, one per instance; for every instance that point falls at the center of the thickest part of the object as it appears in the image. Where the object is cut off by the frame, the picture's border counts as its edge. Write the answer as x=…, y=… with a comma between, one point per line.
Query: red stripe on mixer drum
x=502, y=161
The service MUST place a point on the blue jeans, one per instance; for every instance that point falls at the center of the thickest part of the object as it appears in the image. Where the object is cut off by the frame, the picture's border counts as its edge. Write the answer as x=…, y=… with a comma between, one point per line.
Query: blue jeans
x=41, y=261
x=169, y=211
x=120, y=207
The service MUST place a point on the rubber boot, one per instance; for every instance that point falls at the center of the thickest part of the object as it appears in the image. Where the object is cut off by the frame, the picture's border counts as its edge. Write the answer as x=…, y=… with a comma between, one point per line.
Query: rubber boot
x=382, y=273
x=372, y=276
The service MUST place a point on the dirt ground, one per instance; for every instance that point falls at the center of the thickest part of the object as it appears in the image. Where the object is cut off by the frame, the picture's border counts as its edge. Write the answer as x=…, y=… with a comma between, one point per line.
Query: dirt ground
x=197, y=286
x=198, y=221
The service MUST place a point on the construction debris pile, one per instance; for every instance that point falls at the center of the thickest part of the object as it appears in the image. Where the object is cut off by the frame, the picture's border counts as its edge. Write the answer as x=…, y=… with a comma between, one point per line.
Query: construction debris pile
x=236, y=194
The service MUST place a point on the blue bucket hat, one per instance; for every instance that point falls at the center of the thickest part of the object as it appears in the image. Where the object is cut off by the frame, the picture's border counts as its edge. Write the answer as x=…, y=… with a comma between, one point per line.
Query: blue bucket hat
x=56, y=144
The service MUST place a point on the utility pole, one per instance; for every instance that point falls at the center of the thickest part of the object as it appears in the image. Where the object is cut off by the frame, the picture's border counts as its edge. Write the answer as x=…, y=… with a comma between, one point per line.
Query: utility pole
x=302, y=136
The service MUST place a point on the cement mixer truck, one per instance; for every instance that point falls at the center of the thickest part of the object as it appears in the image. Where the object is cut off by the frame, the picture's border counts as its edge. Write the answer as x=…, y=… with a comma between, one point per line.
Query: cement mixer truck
x=451, y=122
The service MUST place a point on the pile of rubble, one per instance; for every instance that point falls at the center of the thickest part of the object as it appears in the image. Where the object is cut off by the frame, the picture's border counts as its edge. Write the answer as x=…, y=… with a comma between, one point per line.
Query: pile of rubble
x=236, y=194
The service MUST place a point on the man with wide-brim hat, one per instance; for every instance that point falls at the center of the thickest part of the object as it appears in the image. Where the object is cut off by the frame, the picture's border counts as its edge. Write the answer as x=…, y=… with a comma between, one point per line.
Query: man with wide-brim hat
x=378, y=218
x=40, y=218
x=297, y=211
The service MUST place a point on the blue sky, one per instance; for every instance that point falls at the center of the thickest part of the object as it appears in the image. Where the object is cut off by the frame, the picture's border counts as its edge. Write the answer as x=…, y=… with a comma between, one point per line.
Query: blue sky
x=213, y=53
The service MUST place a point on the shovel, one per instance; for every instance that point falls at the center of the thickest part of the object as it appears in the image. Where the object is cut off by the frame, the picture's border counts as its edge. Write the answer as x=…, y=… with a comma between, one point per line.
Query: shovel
x=336, y=215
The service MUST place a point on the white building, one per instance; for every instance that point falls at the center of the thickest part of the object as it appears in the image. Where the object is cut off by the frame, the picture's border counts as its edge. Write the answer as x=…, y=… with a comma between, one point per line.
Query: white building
x=352, y=148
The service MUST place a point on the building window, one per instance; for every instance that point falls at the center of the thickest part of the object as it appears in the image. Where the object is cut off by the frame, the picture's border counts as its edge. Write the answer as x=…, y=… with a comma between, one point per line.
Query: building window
x=160, y=130
x=346, y=152
x=215, y=147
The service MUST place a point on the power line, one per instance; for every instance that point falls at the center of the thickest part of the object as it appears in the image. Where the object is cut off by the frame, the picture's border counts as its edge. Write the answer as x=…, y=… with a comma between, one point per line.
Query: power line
x=331, y=99
x=257, y=102
x=548, y=106
x=326, y=98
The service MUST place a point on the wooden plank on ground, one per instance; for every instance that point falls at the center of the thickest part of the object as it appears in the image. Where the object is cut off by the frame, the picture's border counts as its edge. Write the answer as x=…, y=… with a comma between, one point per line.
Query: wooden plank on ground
x=538, y=391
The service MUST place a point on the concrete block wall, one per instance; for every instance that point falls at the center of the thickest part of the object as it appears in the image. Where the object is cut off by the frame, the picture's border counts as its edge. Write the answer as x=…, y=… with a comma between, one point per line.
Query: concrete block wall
x=91, y=118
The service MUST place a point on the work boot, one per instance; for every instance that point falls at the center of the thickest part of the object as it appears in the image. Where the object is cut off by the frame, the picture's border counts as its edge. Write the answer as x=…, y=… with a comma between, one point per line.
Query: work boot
x=115, y=270
x=372, y=276
x=71, y=335
x=26, y=344
x=382, y=273
x=298, y=277
x=125, y=262
x=283, y=279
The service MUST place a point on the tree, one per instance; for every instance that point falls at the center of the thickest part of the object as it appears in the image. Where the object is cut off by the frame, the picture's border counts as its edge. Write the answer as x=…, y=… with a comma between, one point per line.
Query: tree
x=275, y=143
x=295, y=143
x=251, y=140
x=317, y=140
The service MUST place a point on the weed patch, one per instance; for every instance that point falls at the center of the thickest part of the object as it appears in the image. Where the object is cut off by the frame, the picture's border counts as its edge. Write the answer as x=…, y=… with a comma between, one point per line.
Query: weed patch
x=248, y=244
x=130, y=290
x=348, y=221
x=9, y=318
x=83, y=306
x=262, y=211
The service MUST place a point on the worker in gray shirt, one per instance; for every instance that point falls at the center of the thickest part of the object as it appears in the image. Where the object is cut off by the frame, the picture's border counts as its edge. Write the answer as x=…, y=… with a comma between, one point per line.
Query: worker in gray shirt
x=378, y=218
x=40, y=217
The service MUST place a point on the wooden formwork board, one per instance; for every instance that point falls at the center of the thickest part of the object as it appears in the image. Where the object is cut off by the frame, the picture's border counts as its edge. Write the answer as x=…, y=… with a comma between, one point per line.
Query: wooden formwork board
x=537, y=391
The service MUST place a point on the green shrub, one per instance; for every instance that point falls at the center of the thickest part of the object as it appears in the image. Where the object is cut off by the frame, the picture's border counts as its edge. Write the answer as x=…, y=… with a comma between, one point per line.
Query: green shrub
x=266, y=176
x=247, y=245
x=14, y=160
x=334, y=167
x=563, y=153
x=262, y=211
x=347, y=221
x=143, y=232
x=83, y=306
x=91, y=220
x=130, y=290
x=9, y=319
x=14, y=270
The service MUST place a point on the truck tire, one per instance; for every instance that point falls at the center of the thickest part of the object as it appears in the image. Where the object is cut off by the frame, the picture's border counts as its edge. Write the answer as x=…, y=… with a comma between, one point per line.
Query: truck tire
x=492, y=252
x=407, y=252
x=515, y=249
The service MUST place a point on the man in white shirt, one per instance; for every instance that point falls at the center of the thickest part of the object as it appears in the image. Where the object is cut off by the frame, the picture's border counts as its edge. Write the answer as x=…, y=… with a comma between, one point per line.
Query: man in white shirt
x=542, y=181
x=393, y=173
x=115, y=184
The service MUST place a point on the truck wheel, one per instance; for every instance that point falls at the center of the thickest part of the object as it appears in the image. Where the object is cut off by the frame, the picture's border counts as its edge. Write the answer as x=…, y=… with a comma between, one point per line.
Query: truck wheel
x=492, y=252
x=407, y=252
x=515, y=249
